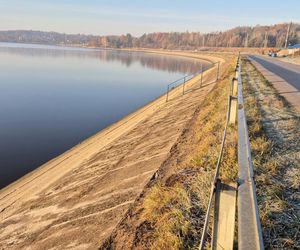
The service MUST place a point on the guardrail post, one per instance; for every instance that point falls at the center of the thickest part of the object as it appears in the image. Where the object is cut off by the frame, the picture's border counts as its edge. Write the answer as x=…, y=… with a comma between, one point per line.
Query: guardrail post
x=237, y=73
x=233, y=105
x=183, y=86
x=233, y=110
x=234, y=87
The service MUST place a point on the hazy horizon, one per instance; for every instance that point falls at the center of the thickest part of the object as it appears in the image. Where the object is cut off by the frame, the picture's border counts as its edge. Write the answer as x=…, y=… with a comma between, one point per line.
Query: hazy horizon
x=137, y=36
x=135, y=17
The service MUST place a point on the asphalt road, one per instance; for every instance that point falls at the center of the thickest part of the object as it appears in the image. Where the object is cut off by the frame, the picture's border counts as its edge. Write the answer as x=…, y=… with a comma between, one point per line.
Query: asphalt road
x=287, y=71
x=284, y=76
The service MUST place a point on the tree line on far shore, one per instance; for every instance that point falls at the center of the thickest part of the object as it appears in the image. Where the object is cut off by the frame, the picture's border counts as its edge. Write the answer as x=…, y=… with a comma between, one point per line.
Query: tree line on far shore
x=257, y=36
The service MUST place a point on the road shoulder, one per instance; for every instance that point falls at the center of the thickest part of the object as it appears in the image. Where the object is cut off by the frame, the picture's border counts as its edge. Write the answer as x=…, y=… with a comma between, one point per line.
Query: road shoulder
x=290, y=93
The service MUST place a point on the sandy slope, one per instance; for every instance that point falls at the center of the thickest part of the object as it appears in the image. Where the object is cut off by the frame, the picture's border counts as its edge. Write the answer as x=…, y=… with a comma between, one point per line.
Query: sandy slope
x=75, y=200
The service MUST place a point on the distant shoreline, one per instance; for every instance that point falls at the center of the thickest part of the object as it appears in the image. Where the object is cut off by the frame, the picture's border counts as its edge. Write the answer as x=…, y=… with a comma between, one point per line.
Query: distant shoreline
x=177, y=53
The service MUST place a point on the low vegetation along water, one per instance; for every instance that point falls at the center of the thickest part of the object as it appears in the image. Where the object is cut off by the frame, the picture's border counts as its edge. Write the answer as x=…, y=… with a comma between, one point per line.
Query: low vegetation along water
x=52, y=98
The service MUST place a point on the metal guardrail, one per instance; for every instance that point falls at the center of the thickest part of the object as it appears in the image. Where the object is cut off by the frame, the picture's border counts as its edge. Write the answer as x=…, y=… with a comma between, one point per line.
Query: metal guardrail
x=249, y=228
x=182, y=81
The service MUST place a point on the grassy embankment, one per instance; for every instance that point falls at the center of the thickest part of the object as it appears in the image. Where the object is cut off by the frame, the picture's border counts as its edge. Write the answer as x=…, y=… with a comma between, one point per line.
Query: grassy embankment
x=176, y=207
x=273, y=126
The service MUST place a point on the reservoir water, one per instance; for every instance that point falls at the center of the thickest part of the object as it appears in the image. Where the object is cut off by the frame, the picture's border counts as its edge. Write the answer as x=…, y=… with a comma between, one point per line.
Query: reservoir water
x=52, y=98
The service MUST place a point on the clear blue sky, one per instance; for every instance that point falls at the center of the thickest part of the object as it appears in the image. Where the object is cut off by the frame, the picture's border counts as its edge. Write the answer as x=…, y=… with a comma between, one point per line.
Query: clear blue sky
x=105, y=17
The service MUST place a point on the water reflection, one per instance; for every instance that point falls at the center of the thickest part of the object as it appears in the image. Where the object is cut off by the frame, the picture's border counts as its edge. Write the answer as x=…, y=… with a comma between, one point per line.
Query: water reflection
x=149, y=60
x=52, y=98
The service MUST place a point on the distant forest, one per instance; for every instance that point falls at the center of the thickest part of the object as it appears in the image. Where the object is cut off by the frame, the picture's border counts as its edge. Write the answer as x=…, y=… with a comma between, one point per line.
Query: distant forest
x=257, y=36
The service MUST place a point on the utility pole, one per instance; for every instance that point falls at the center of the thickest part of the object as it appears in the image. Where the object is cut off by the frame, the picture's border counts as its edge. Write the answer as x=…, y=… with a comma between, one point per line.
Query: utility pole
x=246, y=41
x=266, y=40
x=287, y=35
x=208, y=40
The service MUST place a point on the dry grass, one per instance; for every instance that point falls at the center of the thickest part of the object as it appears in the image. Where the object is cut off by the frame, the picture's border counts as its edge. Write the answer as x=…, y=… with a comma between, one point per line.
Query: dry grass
x=273, y=160
x=176, y=210
x=292, y=58
x=168, y=208
x=229, y=168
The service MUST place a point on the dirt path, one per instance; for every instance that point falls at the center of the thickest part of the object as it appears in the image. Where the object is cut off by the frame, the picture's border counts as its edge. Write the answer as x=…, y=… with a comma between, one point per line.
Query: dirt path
x=76, y=200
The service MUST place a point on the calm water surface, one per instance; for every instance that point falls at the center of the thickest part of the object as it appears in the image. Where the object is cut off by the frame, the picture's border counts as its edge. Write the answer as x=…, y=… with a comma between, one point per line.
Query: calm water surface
x=52, y=98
